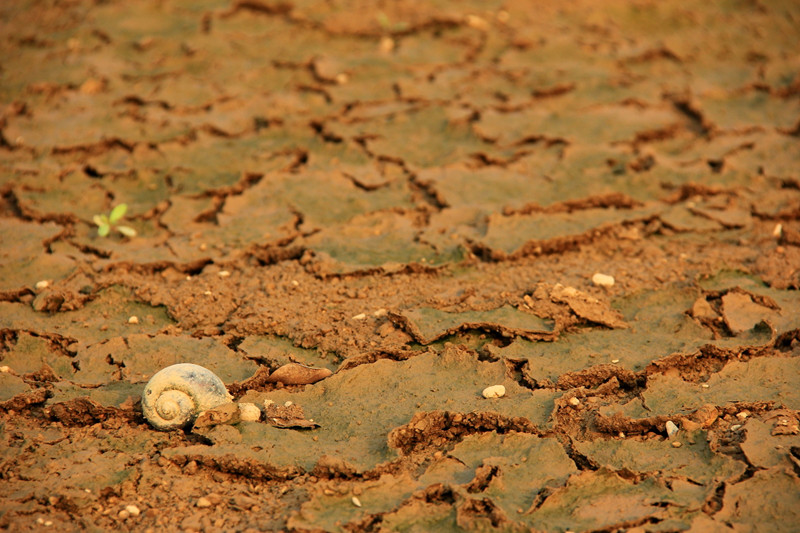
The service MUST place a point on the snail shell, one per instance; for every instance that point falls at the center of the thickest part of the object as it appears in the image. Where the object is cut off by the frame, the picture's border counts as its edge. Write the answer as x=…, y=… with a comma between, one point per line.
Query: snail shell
x=175, y=395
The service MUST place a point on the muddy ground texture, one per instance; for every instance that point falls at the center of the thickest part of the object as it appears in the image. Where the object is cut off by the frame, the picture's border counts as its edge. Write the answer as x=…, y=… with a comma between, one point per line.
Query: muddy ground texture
x=415, y=196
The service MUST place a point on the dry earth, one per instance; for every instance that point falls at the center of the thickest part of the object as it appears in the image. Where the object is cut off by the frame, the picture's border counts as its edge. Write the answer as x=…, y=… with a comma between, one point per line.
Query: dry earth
x=415, y=196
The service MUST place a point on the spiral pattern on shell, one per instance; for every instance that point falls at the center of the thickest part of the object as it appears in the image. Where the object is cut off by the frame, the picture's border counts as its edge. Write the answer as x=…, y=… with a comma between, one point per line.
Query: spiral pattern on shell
x=174, y=396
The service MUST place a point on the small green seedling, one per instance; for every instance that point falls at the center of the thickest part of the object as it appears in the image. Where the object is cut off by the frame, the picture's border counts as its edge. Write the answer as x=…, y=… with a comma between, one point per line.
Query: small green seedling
x=105, y=223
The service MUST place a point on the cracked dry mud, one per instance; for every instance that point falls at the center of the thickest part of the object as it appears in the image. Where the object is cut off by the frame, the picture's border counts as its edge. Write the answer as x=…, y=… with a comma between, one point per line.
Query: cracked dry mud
x=414, y=196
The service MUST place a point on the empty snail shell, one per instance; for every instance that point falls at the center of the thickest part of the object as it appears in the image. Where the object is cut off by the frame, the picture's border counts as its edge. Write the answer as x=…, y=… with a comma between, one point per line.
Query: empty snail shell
x=175, y=395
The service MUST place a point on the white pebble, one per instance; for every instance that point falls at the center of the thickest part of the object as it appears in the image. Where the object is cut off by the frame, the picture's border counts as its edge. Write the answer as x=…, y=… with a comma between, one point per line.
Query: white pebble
x=360, y=316
x=132, y=510
x=574, y=402
x=778, y=230
x=223, y=273
x=495, y=391
x=672, y=429
x=735, y=427
x=5, y=369
x=42, y=284
x=123, y=514
x=603, y=280
x=203, y=502
x=356, y=501
x=133, y=320
x=288, y=403
x=249, y=412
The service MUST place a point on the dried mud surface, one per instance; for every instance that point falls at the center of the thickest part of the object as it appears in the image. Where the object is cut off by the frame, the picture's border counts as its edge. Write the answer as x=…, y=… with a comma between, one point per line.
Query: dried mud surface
x=415, y=196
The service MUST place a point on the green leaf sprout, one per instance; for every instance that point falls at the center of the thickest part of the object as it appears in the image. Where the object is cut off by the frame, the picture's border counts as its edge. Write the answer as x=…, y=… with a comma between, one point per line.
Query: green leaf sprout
x=105, y=223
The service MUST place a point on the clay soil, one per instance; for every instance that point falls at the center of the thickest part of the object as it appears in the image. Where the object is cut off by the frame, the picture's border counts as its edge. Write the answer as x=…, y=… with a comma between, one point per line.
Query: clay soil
x=415, y=196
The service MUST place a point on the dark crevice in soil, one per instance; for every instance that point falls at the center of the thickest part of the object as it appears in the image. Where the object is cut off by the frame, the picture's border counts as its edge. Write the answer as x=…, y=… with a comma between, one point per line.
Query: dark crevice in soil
x=437, y=429
x=580, y=460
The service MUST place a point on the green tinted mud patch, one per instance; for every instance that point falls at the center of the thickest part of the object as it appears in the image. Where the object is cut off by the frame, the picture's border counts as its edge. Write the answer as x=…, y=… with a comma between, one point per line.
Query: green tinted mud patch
x=777, y=486
x=384, y=242
x=694, y=461
x=601, y=500
x=500, y=462
x=520, y=235
x=104, y=317
x=25, y=353
x=424, y=138
x=658, y=328
x=427, y=324
x=419, y=515
x=747, y=306
x=763, y=379
x=597, y=125
x=11, y=386
x=451, y=382
x=82, y=120
x=275, y=352
x=22, y=261
x=321, y=199
x=335, y=510
x=489, y=189
x=72, y=197
x=769, y=443
x=751, y=109
x=84, y=405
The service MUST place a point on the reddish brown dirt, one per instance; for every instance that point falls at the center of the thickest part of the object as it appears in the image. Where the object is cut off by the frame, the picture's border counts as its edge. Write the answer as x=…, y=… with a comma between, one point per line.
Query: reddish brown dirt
x=413, y=199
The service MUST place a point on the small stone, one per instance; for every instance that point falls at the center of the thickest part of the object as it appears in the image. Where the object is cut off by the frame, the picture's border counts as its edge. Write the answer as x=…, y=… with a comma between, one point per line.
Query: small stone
x=124, y=514
x=574, y=402
x=603, y=280
x=495, y=391
x=288, y=403
x=615, y=361
x=5, y=369
x=249, y=412
x=705, y=385
x=702, y=309
x=677, y=444
x=742, y=415
x=690, y=425
x=203, y=502
x=735, y=427
x=360, y=316
x=132, y=510
x=40, y=285
x=223, y=273
x=387, y=44
x=777, y=231
x=672, y=428
x=48, y=523
x=356, y=501
x=133, y=320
